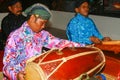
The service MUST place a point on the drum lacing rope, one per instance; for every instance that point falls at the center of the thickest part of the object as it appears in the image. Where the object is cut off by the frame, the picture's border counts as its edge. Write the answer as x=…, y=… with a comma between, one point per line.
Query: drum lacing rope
x=82, y=75
x=46, y=53
x=70, y=57
x=90, y=71
x=103, y=62
x=64, y=59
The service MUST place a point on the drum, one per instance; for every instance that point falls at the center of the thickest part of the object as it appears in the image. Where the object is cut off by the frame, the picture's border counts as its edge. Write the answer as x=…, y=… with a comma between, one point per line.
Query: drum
x=110, y=46
x=65, y=64
x=113, y=42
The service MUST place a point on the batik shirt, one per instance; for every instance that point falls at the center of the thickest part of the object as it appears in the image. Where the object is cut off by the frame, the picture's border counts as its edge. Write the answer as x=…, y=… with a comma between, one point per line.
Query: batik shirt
x=81, y=28
x=23, y=44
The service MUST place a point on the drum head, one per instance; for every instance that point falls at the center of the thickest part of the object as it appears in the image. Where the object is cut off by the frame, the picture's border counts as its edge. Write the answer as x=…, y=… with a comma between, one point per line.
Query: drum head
x=34, y=72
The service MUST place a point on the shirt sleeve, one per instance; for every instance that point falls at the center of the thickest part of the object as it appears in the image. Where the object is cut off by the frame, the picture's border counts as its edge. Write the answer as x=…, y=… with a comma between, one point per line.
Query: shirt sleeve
x=11, y=65
x=74, y=33
x=68, y=32
x=54, y=42
x=96, y=32
x=71, y=30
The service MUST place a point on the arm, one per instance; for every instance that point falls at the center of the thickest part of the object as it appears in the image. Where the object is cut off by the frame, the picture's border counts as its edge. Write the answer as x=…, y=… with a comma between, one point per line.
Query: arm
x=54, y=42
x=69, y=32
x=12, y=60
x=75, y=32
x=96, y=32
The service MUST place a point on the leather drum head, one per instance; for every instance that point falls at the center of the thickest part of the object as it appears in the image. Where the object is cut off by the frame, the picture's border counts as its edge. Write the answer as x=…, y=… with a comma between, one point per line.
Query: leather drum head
x=34, y=72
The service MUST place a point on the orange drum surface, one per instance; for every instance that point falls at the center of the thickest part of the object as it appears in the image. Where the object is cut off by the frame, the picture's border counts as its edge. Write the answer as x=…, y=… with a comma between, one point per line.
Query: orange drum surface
x=110, y=46
x=65, y=64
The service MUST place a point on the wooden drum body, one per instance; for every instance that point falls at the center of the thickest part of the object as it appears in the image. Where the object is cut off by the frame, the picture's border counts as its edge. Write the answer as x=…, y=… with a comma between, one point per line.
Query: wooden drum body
x=65, y=64
x=110, y=46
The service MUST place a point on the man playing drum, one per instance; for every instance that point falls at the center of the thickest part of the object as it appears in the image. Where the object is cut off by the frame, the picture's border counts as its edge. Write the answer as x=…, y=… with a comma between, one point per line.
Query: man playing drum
x=28, y=40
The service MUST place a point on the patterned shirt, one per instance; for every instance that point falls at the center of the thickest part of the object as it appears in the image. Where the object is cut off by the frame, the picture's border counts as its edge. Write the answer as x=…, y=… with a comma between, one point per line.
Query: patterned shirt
x=81, y=28
x=23, y=44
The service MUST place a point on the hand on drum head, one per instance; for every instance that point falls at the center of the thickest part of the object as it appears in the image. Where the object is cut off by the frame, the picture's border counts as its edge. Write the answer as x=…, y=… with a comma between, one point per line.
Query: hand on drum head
x=20, y=75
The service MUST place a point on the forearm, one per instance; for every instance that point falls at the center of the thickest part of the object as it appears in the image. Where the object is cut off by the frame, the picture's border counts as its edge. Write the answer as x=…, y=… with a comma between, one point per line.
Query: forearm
x=61, y=43
x=81, y=39
x=11, y=64
x=85, y=41
x=66, y=43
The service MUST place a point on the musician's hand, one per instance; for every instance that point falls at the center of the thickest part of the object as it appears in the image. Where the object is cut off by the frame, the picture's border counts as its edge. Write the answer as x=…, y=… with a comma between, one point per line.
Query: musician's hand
x=20, y=75
x=107, y=39
x=95, y=40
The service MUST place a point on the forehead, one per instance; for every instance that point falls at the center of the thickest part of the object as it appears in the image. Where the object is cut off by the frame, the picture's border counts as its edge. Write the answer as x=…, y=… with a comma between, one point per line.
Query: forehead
x=84, y=4
x=42, y=20
x=17, y=3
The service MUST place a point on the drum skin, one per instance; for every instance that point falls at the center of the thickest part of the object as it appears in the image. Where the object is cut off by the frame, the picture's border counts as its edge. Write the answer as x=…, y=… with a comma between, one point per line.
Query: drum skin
x=65, y=64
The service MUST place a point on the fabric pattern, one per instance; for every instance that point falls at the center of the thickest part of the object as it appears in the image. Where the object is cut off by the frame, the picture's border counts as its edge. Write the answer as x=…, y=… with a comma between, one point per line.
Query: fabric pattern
x=81, y=28
x=23, y=44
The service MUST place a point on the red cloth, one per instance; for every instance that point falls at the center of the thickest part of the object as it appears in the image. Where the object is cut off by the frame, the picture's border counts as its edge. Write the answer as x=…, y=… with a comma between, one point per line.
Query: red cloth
x=1, y=60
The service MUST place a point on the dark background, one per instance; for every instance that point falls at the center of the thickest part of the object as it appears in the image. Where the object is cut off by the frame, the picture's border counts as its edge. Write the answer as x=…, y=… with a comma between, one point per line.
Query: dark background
x=98, y=7
x=25, y=4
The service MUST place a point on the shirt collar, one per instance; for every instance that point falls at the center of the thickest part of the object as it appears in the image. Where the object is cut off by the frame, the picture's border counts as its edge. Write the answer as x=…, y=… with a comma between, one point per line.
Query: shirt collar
x=27, y=30
x=78, y=14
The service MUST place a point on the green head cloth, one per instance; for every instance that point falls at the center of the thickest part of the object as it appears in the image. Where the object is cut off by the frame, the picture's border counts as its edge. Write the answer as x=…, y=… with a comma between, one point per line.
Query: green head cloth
x=39, y=10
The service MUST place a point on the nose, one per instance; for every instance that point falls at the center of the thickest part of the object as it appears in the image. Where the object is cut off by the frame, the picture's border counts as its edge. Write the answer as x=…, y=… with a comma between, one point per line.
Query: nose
x=20, y=8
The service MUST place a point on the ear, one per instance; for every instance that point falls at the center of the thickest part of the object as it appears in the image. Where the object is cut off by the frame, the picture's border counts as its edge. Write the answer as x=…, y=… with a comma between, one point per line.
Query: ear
x=9, y=8
x=76, y=10
x=32, y=18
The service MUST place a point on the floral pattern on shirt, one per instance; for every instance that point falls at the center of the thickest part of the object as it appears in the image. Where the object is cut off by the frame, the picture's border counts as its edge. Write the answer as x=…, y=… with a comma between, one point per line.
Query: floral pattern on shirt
x=23, y=44
x=81, y=28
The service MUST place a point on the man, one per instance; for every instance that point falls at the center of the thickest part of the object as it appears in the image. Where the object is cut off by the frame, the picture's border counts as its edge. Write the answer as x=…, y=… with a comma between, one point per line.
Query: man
x=28, y=41
x=81, y=28
x=14, y=19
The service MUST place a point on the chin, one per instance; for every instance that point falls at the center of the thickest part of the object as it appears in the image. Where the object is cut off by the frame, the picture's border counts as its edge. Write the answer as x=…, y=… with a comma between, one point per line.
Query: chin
x=38, y=31
x=18, y=13
x=85, y=15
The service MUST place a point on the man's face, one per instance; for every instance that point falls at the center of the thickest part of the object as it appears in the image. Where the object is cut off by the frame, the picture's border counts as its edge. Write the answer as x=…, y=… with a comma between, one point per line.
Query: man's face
x=36, y=23
x=83, y=9
x=16, y=8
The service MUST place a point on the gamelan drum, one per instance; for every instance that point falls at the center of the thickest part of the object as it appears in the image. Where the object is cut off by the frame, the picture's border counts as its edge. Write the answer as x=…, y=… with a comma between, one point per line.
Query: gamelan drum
x=65, y=64
x=113, y=45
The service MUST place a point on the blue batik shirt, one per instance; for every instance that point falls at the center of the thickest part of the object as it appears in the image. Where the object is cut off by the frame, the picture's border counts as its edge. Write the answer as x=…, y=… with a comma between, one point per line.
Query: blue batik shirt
x=81, y=28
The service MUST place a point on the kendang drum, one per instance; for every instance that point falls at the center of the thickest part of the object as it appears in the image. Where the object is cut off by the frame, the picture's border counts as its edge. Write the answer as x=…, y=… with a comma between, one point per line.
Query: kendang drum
x=113, y=45
x=65, y=64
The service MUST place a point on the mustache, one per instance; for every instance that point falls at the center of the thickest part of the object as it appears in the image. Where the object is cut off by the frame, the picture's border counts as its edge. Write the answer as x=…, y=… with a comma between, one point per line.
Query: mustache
x=19, y=11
